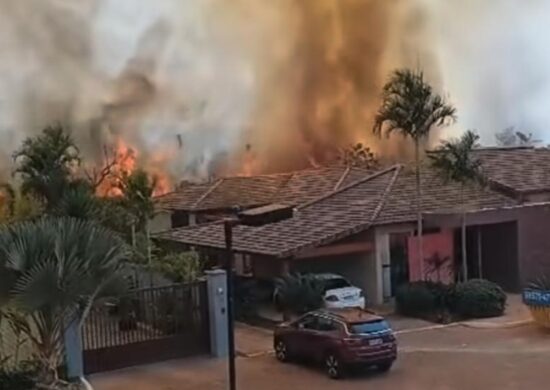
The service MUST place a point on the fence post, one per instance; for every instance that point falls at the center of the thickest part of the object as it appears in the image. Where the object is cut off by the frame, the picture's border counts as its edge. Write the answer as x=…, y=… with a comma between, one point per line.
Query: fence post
x=217, y=308
x=73, y=350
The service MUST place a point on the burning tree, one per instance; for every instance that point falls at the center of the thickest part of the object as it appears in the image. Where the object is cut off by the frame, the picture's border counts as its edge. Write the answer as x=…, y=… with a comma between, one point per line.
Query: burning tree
x=411, y=108
x=359, y=156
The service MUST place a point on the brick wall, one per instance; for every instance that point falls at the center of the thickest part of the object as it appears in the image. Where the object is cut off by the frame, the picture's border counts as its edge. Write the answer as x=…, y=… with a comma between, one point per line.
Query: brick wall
x=534, y=242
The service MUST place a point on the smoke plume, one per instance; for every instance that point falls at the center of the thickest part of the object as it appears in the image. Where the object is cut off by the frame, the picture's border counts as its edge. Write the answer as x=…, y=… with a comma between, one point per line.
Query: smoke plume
x=202, y=86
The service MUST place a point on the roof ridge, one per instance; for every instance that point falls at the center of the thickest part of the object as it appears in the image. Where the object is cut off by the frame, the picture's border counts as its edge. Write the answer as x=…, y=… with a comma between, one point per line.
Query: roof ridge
x=208, y=192
x=384, y=197
x=351, y=185
x=342, y=178
x=357, y=228
x=283, y=185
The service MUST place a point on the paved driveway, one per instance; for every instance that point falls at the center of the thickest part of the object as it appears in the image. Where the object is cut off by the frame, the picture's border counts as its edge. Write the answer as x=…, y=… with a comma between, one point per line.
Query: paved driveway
x=450, y=358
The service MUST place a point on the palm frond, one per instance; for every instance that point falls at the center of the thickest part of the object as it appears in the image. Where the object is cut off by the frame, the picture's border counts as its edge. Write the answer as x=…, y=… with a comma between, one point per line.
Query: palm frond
x=410, y=107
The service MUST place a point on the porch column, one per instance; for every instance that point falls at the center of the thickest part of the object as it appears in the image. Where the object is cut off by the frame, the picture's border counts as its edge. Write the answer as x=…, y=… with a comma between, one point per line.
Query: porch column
x=73, y=350
x=217, y=309
x=382, y=260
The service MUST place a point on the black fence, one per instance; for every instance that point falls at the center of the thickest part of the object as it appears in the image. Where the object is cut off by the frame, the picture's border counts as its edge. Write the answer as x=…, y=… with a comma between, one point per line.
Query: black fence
x=146, y=326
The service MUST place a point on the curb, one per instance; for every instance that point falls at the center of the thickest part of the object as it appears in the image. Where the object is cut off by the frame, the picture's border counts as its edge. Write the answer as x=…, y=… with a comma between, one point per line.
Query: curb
x=86, y=384
x=495, y=325
x=426, y=328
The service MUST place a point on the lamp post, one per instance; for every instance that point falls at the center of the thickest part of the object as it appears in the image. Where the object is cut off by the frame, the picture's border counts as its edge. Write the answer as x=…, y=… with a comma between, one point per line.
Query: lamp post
x=254, y=217
x=228, y=231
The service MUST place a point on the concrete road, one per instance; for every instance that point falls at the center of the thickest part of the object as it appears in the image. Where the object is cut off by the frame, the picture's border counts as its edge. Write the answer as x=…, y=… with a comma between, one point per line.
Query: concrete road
x=444, y=359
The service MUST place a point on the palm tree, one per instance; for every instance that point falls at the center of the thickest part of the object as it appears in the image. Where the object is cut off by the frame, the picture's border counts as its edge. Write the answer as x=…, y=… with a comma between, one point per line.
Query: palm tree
x=45, y=164
x=53, y=270
x=454, y=161
x=411, y=108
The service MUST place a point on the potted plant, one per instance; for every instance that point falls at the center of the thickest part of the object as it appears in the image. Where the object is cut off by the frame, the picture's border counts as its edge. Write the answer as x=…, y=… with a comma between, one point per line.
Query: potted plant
x=537, y=297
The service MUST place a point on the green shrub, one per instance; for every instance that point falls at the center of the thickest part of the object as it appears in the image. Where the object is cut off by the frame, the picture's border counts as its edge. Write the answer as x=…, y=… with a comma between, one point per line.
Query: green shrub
x=298, y=293
x=19, y=378
x=478, y=298
x=422, y=299
x=246, y=298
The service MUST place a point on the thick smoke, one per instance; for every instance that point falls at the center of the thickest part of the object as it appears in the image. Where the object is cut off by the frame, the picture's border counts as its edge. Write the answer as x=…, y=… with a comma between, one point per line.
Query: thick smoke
x=494, y=60
x=202, y=86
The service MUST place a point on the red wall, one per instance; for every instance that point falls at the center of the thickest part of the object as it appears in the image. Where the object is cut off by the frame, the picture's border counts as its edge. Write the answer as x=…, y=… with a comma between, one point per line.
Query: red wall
x=440, y=244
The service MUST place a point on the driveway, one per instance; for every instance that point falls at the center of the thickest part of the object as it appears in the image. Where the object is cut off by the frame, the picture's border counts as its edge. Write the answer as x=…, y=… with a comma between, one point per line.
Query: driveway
x=449, y=358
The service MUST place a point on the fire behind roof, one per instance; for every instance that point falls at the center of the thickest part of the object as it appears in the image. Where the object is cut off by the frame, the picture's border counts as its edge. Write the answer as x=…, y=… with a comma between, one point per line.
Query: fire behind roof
x=189, y=84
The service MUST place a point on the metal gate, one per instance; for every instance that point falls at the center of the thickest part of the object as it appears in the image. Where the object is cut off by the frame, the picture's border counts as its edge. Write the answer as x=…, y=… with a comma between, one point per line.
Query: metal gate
x=146, y=326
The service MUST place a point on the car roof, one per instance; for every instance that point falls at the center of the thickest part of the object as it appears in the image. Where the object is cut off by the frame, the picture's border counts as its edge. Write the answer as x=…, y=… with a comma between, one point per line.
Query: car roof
x=350, y=315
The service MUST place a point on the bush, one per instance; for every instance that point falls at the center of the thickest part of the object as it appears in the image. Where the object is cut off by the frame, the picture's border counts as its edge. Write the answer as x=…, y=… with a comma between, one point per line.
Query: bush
x=478, y=298
x=298, y=293
x=19, y=378
x=422, y=299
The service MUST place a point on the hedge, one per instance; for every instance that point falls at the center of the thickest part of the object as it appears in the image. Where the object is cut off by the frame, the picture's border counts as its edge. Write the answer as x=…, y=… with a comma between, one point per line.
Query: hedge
x=476, y=298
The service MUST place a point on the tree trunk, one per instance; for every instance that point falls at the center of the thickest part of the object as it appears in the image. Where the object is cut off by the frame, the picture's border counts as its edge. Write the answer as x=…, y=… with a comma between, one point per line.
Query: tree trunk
x=463, y=228
x=419, y=207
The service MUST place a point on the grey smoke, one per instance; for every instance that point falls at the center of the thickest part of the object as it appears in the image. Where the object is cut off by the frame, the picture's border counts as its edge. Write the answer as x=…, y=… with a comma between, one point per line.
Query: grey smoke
x=188, y=82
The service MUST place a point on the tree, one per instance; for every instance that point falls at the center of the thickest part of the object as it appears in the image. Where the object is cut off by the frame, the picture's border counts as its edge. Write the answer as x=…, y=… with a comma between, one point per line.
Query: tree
x=298, y=293
x=78, y=201
x=455, y=161
x=182, y=267
x=411, y=108
x=14, y=206
x=358, y=156
x=53, y=270
x=45, y=164
x=137, y=190
x=510, y=137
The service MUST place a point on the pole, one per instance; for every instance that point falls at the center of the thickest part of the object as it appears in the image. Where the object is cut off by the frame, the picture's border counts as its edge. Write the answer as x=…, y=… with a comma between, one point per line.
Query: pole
x=228, y=229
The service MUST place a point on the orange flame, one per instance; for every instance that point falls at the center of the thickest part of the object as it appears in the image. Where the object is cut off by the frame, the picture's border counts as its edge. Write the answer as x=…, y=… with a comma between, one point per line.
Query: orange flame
x=127, y=160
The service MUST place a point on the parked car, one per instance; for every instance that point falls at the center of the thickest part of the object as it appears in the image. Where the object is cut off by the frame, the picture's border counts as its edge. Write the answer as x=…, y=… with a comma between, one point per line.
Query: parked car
x=338, y=338
x=339, y=292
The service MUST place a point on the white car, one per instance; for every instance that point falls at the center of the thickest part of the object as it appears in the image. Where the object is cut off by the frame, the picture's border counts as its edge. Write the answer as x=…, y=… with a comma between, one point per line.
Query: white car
x=339, y=292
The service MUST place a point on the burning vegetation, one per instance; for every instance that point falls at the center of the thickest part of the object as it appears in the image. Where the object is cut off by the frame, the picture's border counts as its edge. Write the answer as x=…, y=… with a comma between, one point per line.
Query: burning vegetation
x=192, y=89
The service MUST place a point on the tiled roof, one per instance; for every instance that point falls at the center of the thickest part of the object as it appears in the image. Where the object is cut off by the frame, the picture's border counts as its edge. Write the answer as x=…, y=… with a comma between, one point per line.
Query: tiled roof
x=331, y=217
x=437, y=196
x=521, y=169
x=292, y=188
x=242, y=191
x=184, y=198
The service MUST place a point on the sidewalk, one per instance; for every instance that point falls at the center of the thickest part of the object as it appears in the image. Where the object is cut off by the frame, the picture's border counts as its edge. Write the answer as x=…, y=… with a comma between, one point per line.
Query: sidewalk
x=516, y=314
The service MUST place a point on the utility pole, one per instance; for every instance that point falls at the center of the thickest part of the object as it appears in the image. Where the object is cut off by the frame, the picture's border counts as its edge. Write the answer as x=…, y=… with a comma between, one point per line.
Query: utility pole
x=228, y=230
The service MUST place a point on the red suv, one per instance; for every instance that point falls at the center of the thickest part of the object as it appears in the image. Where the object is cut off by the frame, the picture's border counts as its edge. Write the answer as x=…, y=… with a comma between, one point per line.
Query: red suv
x=338, y=338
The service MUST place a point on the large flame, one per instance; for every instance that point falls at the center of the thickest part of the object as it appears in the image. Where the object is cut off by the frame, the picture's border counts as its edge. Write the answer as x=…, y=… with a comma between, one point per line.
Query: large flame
x=125, y=160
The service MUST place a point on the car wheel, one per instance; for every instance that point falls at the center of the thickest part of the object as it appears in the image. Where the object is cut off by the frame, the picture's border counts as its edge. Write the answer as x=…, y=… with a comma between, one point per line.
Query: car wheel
x=384, y=367
x=333, y=366
x=281, y=351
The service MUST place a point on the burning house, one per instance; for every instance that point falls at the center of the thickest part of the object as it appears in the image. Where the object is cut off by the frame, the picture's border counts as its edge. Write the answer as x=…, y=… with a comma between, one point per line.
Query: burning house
x=361, y=224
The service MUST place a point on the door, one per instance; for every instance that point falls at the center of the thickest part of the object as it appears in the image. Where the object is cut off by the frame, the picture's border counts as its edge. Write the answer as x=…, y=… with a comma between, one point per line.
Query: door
x=298, y=340
x=399, y=263
x=321, y=339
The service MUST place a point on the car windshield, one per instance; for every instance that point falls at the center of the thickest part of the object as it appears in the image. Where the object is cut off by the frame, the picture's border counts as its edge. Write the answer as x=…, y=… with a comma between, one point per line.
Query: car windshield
x=369, y=327
x=332, y=284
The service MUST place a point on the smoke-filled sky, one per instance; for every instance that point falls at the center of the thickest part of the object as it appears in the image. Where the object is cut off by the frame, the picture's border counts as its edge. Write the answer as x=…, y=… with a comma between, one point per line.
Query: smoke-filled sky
x=196, y=85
